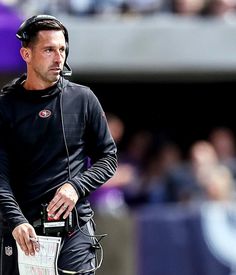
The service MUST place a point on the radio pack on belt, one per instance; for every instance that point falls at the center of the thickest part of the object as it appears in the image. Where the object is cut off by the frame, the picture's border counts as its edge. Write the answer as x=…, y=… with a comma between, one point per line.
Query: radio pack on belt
x=59, y=227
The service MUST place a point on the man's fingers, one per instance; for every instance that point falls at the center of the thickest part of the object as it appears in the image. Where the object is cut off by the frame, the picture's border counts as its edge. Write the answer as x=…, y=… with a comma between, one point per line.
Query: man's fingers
x=67, y=213
x=22, y=234
x=63, y=209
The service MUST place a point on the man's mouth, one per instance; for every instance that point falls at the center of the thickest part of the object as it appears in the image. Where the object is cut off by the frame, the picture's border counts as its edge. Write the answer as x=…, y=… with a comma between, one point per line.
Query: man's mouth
x=55, y=69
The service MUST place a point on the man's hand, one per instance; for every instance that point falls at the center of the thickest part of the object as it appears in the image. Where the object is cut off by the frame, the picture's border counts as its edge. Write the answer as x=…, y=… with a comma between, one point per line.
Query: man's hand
x=25, y=236
x=63, y=202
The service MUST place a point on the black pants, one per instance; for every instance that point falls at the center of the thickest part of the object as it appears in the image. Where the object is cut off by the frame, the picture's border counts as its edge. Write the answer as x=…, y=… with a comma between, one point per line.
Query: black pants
x=77, y=253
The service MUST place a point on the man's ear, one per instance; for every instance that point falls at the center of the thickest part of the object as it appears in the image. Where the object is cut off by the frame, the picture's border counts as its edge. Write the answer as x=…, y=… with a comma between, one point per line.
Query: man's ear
x=26, y=54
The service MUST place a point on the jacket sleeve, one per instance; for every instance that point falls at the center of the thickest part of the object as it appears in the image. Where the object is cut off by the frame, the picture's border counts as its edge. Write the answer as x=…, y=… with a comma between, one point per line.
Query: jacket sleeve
x=100, y=148
x=8, y=205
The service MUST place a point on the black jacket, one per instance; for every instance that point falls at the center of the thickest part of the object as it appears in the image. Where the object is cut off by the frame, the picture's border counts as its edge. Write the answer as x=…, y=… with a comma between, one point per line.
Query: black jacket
x=36, y=157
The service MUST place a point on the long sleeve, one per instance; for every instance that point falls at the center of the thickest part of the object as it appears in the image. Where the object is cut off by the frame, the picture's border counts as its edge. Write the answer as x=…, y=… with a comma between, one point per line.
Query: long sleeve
x=101, y=149
x=8, y=205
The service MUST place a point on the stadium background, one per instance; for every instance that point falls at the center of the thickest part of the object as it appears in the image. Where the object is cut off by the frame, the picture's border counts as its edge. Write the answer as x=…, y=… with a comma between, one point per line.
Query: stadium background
x=167, y=74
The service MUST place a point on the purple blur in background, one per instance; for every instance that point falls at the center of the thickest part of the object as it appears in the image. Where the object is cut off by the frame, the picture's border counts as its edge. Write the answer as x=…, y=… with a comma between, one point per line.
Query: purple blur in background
x=10, y=59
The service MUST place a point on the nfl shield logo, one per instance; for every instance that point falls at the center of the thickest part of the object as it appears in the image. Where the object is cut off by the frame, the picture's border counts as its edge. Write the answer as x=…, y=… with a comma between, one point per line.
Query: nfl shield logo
x=8, y=250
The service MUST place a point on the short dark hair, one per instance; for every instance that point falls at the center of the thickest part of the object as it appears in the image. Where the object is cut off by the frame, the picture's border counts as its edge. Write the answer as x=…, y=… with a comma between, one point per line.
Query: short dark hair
x=29, y=29
x=33, y=29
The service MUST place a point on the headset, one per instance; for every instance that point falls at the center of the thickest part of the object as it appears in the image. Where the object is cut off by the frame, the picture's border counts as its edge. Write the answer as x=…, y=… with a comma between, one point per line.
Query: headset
x=23, y=35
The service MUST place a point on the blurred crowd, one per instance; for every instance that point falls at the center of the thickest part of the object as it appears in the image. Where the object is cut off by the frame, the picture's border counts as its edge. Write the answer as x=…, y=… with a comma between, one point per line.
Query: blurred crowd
x=153, y=170
x=125, y=7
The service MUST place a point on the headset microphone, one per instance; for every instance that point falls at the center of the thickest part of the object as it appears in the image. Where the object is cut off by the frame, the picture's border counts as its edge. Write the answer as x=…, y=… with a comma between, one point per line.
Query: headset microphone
x=67, y=72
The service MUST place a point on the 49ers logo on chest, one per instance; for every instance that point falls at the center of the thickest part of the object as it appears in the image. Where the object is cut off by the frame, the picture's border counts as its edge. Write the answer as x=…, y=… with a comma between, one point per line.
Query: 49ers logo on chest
x=45, y=113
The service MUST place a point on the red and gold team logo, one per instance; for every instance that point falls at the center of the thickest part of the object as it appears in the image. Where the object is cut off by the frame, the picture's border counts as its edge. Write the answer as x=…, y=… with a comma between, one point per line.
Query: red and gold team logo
x=45, y=113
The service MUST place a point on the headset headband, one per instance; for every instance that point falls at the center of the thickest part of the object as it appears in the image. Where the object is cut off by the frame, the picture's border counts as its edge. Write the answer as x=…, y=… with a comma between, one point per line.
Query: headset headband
x=22, y=31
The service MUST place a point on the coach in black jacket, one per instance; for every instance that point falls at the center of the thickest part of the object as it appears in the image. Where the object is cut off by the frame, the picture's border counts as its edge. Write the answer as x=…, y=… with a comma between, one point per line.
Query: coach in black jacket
x=55, y=148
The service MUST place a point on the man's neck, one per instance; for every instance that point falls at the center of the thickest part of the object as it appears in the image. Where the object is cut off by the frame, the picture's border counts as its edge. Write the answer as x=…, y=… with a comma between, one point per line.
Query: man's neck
x=31, y=85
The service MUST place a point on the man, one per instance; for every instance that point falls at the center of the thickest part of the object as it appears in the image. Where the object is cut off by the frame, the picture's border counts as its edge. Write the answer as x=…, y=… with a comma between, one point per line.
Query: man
x=50, y=128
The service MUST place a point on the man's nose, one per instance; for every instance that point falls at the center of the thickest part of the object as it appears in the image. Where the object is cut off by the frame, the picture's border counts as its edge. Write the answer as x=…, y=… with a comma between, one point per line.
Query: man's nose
x=58, y=56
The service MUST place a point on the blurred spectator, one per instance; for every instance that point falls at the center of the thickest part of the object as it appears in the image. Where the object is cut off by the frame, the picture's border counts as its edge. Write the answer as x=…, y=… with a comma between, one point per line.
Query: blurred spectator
x=125, y=172
x=185, y=182
x=220, y=8
x=224, y=142
x=218, y=184
x=110, y=197
x=145, y=6
x=116, y=126
x=108, y=6
x=135, y=156
x=81, y=7
x=166, y=158
x=189, y=7
x=138, y=148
